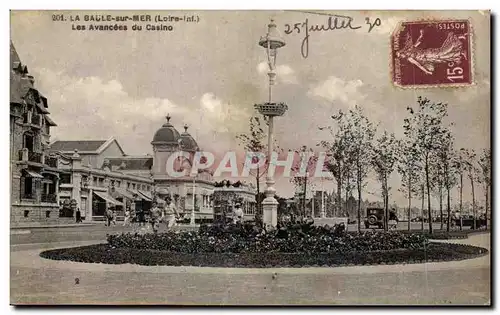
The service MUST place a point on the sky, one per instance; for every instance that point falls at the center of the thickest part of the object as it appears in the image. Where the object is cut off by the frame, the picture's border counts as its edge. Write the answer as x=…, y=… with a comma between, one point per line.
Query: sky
x=210, y=74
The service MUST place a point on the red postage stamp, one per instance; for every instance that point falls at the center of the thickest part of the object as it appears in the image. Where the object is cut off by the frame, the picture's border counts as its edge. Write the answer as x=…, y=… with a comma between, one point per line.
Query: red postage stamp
x=432, y=53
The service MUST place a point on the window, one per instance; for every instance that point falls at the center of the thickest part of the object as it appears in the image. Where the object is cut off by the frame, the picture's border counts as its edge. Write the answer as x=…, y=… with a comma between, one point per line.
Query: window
x=65, y=178
x=26, y=213
x=95, y=181
x=112, y=183
x=133, y=186
x=83, y=206
x=101, y=182
x=118, y=183
x=47, y=214
x=128, y=185
x=28, y=141
x=27, y=188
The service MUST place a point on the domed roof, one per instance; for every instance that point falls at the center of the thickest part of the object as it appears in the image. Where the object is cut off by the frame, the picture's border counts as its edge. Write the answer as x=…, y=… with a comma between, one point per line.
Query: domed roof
x=166, y=134
x=187, y=141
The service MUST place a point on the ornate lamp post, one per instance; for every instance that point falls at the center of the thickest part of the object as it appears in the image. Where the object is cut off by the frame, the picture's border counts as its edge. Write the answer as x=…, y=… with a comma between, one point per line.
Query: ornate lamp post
x=271, y=42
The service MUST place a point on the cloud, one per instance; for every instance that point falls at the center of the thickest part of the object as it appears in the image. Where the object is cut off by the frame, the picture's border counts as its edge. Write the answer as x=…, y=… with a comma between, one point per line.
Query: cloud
x=284, y=73
x=336, y=89
x=91, y=108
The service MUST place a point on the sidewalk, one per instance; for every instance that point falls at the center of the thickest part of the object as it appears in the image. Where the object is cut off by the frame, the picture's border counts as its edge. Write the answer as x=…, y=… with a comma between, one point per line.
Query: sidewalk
x=39, y=226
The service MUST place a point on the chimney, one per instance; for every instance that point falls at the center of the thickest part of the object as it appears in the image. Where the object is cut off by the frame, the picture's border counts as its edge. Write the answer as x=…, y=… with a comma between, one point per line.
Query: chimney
x=31, y=79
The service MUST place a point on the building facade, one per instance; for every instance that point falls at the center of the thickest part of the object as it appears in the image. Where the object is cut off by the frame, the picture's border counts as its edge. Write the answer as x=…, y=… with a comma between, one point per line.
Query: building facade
x=191, y=194
x=227, y=194
x=52, y=181
x=34, y=172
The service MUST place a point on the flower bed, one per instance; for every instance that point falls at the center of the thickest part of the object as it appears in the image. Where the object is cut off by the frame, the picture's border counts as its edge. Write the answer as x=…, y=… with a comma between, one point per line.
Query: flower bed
x=248, y=239
x=248, y=245
x=104, y=253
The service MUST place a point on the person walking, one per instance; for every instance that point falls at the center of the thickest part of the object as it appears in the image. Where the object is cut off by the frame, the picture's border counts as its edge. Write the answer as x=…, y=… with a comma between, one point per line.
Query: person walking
x=156, y=215
x=127, y=217
x=78, y=215
x=109, y=216
x=170, y=213
x=141, y=217
x=237, y=213
x=393, y=219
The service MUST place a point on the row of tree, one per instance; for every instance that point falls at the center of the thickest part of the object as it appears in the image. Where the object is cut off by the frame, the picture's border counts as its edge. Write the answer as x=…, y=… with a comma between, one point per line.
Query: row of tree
x=425, y=157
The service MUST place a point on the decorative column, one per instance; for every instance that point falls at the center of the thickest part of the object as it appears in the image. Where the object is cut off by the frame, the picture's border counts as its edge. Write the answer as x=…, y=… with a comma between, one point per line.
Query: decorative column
x=271, y=42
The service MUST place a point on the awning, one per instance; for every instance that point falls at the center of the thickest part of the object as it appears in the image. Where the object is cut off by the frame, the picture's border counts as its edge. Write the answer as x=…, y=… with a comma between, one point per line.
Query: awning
x=42, y=109
x=108, y=198
x=123, y=193
x=33, y=174
x=50, y=122
x=147, y=196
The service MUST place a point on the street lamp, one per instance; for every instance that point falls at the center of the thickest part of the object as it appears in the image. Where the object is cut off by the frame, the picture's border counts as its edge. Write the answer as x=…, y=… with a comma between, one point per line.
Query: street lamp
x=271, y=42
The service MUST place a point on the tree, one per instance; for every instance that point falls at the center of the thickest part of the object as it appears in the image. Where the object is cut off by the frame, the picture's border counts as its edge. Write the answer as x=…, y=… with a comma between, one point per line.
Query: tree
x=337, y=161
x=254, y=142
x=447, y=180
x=359, y=135
x=485, y=177
x=409, y=165
x=300, y=181
x=470, y=164
x=427, y=120
x=437, y=175
x=383, y=160
x=460, y=167
x=350, y=153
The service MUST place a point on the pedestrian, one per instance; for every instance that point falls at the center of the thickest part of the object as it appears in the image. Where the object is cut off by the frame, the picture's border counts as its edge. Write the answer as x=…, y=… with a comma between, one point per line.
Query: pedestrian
x=237, y=213
x=141, y=217
x=156, y=215
x=393, y=220
x=113, y=218
x=127, y=217
x=109, y=216
x=170, y=213
x=78, y=216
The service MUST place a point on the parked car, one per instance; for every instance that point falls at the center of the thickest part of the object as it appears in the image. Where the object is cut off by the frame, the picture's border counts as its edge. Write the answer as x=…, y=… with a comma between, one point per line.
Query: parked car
x=468, y=221
x=374, y=217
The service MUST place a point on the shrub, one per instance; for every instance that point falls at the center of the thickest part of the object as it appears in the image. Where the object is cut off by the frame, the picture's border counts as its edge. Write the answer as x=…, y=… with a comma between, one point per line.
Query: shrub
x=251, y=238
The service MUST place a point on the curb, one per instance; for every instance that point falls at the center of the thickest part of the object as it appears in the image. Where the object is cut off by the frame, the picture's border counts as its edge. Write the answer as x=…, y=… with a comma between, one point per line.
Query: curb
x=29, y=227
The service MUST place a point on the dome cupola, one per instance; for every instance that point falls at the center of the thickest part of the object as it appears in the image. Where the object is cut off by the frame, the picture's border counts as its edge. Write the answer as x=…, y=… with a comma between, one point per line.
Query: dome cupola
x=187, y=141
x=167, y=134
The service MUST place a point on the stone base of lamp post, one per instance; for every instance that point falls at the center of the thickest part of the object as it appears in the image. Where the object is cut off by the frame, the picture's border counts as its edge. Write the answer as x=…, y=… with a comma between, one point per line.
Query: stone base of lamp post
x=270, y=212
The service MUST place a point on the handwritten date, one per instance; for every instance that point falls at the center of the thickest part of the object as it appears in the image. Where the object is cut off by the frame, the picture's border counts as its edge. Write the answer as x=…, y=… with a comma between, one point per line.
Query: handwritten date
x=334, y=22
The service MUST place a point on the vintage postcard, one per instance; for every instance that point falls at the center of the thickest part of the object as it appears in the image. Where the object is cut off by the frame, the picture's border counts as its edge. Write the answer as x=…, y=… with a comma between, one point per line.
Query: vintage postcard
x=300, y=157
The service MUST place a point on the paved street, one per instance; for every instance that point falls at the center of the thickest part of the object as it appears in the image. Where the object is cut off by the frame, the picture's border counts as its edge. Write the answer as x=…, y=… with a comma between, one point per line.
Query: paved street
x=37, y=280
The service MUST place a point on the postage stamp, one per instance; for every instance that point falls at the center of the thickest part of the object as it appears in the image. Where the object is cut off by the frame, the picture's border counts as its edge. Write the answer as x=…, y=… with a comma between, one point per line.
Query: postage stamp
x=432, y=53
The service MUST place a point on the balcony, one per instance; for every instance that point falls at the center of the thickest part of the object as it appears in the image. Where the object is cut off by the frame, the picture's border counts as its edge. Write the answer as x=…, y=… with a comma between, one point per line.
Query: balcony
x=49, y=198
x=35, y=157
x=28, y=196
x=51, y=161
x=32, y=119
x=36, y=120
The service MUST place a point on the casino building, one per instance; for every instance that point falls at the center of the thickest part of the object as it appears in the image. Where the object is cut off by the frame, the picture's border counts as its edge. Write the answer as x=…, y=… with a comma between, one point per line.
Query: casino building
x=51, y=181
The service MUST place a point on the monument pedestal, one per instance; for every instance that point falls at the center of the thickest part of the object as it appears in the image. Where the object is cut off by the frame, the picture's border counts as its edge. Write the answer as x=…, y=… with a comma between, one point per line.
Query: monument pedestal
x=270, y=212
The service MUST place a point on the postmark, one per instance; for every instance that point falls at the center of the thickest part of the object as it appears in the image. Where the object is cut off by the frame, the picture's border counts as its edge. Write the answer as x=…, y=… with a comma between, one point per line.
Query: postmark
x=433, y=53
